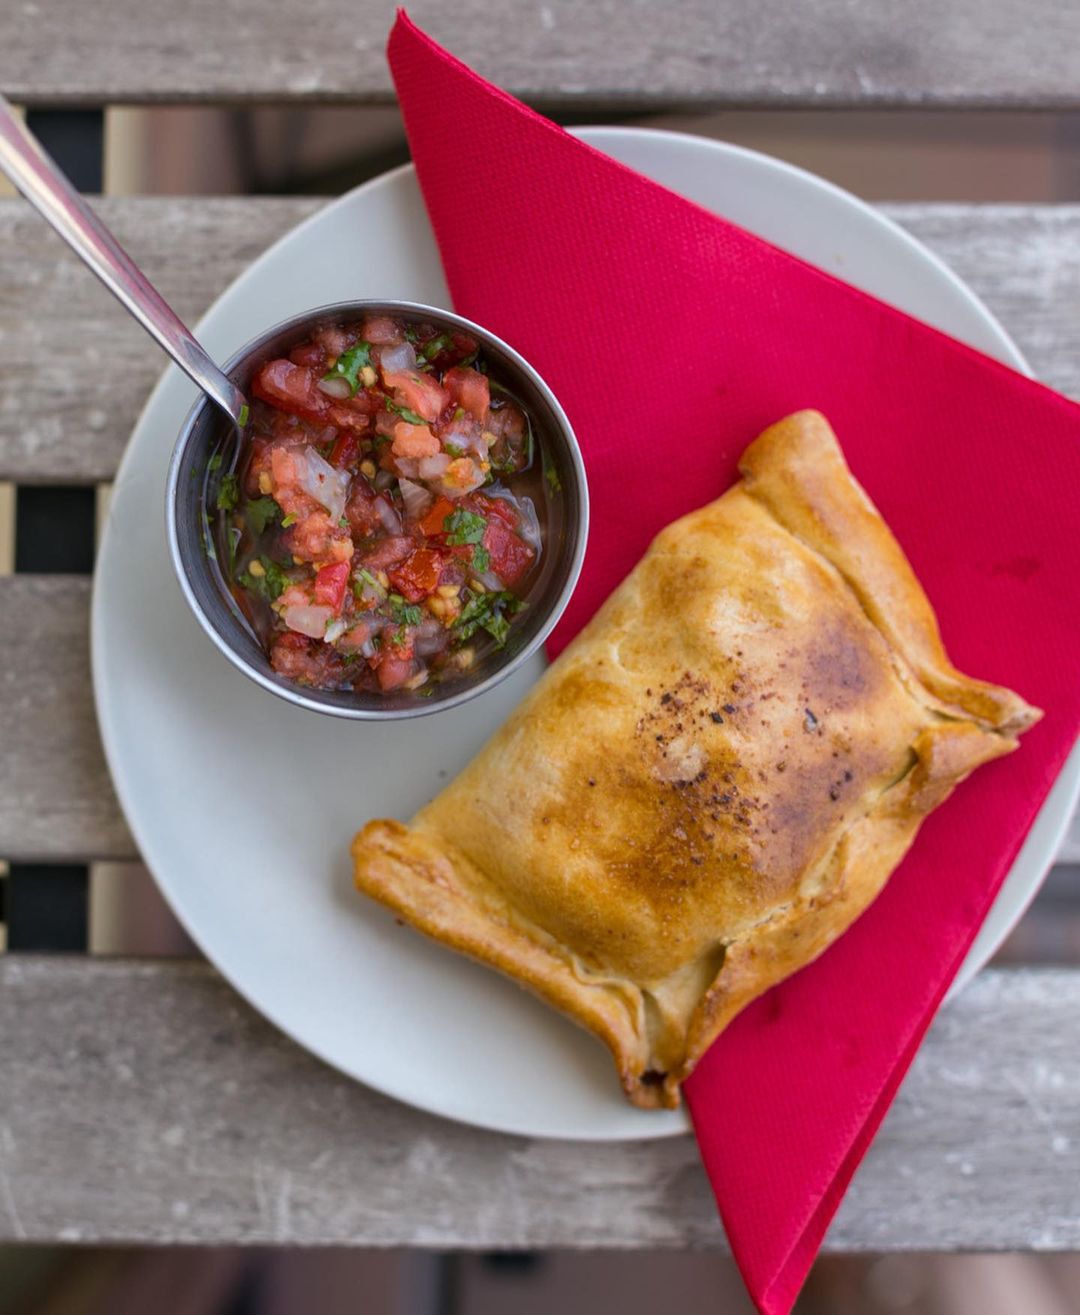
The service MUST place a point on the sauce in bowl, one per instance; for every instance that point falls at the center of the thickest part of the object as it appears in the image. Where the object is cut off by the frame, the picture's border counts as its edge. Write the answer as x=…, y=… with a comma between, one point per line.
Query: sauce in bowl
x=380, y=529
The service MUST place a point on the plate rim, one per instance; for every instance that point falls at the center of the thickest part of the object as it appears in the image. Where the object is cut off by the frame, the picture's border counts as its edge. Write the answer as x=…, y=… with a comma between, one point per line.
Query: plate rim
x=594, y=136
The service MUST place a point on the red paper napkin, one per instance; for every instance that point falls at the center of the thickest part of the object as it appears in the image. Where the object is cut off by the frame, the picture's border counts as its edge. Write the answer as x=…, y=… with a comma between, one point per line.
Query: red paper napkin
x=672, y=338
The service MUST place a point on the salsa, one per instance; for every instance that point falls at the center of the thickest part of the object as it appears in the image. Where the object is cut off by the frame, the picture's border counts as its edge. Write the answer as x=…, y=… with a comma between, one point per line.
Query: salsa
x=376, y=532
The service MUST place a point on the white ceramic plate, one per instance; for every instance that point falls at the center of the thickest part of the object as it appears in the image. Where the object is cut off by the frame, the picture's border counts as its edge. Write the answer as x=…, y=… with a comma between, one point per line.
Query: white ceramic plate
x=215, y=774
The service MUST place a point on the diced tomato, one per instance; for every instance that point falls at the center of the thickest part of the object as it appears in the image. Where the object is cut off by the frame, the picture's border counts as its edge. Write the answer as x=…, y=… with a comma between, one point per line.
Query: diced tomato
x=510, y=450
x=307, y=661
x=362, y=508
x=394, y=668
x=356, y=636
x=415, y=441
x=291, y=388
x=381, y=330
x=468, y=389
x=500, y=507
x=310, y=354
x=434, y=522
x=346, y=416
x=388, y=552
x=317, y=538
x=511, y=556
x=334, y=340
x=418, y=575
x=345, y=450
x=330, y=582
x=452, y=573
x=418, y=392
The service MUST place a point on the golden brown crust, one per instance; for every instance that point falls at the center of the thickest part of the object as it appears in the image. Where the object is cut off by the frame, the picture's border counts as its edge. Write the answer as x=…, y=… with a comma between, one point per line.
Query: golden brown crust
x=716, y=777
x=797, y=470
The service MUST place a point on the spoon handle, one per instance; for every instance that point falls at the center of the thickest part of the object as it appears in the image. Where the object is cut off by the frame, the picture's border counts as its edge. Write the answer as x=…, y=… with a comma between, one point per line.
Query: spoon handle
x=49, y=192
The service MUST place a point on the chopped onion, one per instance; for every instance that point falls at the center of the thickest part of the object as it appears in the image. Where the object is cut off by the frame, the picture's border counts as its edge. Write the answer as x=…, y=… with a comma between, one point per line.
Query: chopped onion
x=528, y=521
x=407, y=466
x=458, y=482
x=307, y=619
x=368, y=648
x=383, y=480
x=433, y=467
x=335, y=387
x=489, y=580
x=400, y=357
x=387, y=513
x=335, y=630
x=416, y=498
x=425, y=646
x=415, y=681
x=465, y=434
x=318, y=478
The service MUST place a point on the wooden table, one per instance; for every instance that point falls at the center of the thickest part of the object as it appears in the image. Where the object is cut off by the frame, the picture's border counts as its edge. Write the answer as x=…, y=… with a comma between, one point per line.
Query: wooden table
x=142, y=1101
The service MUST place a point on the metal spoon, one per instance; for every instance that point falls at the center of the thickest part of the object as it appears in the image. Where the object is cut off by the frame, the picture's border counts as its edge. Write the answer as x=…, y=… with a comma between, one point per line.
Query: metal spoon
x=52, y=195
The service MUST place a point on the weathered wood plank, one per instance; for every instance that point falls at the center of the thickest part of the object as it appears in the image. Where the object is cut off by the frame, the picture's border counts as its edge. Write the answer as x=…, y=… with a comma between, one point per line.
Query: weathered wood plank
x=609, y=52
x=56, y=799
x=146, y=1103
x=64, y=416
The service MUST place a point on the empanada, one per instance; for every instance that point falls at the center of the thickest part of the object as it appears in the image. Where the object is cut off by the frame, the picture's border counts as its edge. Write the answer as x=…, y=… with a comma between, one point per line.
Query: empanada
x=715, y=778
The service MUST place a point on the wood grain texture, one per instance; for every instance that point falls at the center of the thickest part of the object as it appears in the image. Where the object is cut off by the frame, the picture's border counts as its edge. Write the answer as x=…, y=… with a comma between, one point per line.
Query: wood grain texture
x=56, y=799
x=146, y=1103
x=65, y=416
x=608, y=52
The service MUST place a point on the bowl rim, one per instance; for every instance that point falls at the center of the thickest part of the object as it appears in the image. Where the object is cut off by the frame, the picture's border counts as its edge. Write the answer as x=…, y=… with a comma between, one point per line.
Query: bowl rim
x=296, y=694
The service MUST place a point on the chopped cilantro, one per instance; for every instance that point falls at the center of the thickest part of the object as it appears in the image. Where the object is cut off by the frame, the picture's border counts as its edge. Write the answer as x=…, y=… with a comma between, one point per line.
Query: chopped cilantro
x=214, y=462
x=481, y=558
x=438, y=344
x=406, y=414
x=464, y=527
x=228, y=492
x=487, y=612
x=497, y=627
x=244, y=416
x=289, y=520
x=349, y=364
x=412, y=332
x=454, y=450
x=405, y=614
x=259, y=513
x=470, y=360
x=271, y=584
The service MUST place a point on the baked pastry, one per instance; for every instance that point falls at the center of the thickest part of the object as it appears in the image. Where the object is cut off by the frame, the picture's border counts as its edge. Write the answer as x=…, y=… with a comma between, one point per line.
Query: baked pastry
x=715, y=778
